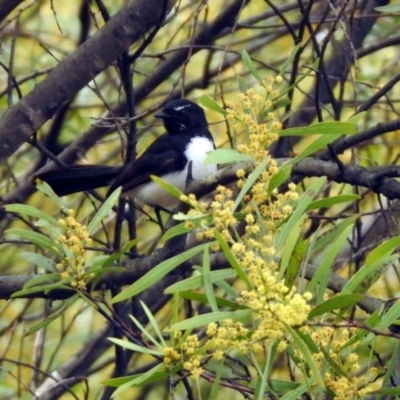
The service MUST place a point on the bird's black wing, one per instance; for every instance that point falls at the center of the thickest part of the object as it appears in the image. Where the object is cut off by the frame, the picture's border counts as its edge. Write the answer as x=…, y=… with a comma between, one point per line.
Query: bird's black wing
x=77, y=178
x=159, y=158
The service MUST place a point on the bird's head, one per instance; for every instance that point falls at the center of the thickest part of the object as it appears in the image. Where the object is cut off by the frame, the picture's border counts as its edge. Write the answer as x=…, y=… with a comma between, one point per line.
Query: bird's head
x=180, y=115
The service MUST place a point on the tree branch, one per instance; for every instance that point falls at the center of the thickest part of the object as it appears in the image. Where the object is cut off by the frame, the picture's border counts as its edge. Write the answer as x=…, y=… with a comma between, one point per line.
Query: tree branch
x=22, y=120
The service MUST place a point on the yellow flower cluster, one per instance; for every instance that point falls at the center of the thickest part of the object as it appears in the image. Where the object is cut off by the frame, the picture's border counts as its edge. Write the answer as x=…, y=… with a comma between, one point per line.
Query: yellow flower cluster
x=229, y=335
x=332, y=341
x=247, y=118
x=274, y=206
x=73, y=241
x=221, y=215
x=275, y=305
x=185, y=354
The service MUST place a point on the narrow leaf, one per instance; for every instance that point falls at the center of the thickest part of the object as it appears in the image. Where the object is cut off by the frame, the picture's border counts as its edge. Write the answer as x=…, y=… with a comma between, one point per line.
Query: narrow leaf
x=315, y=146
x=280, y=177
x=195, y=282
x=303, y=202
x=322, y=128
x=250, y=182
x=366, y=276
x=331, y=201
x=158, y=272
x=232, y=261
x=134, y=347
x=226, y=156
x=46, y=189
x=208, y=286
x=211, y=104
x=201, y=298
x=32, y=212
x=337, y=302
x=250, y=66
x=302, y=348
x=38, y=259
x=38, y=239
x=104, y=210
x=384, y=250
x=205, y=319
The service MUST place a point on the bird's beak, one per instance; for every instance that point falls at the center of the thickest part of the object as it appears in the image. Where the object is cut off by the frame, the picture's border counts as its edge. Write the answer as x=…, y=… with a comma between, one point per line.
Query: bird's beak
x=162, y=114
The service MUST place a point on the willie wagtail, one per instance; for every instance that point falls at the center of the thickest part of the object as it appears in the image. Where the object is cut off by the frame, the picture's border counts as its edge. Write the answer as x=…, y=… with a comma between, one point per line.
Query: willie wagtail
x=176, y=156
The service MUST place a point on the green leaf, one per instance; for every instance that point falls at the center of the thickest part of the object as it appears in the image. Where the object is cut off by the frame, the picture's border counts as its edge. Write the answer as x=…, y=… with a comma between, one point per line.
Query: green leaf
x=211, y=104
x=44, y=288
x=280, y=177
x=250, y=182
x=331, y=201
x=303, y=202
x=322, y=128
x=241, y=83
x=357, y=117
x=153, y=375
x=315, y=146
x=226, y=156
x=166, y=186
x=391, y=366
x=174, y=231
x=201, y=298
x=366, y=276
x=117, y=255
x=53, y=317
x=232, y=261
x=158, y=272
x=196, y=281
x=303, y=348
x=215, y=389
x=104, y=210
x=205, y=319
x=46, y=189
x=390, y=317
x=153, y=323
x=295, y=262
x=384, y=250
x=324, y=240
x=145, y=332
x=38, y=239
x=391, y=8
x=38, y=259
x=337, y=302
x=134, y=347
x=386, y=391
x=208, y=285
x=322, y=275
x=282, y=386
x=261, y=383
x=295, y=394
x=290, y=59
x=32, y=212
x=291, y=244
x=250, y=66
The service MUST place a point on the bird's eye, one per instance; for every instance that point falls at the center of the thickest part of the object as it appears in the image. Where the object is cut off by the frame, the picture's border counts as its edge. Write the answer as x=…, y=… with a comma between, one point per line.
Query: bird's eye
x=182, y=110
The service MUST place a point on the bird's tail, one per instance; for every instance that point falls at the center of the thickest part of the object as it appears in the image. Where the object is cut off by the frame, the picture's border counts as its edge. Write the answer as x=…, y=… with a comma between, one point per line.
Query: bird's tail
x=78, y=178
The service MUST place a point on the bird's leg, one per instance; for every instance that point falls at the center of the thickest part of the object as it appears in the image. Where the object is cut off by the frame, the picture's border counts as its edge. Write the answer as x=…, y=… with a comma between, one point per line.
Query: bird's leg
x=189, y=175
x=157, y=210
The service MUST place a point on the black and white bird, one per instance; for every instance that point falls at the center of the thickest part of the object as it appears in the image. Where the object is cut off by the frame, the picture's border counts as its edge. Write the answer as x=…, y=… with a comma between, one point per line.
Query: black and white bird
x=175, y=156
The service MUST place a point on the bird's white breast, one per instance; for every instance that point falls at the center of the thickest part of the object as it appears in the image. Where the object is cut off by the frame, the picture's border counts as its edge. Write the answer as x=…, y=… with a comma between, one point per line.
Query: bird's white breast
x=196, y=152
